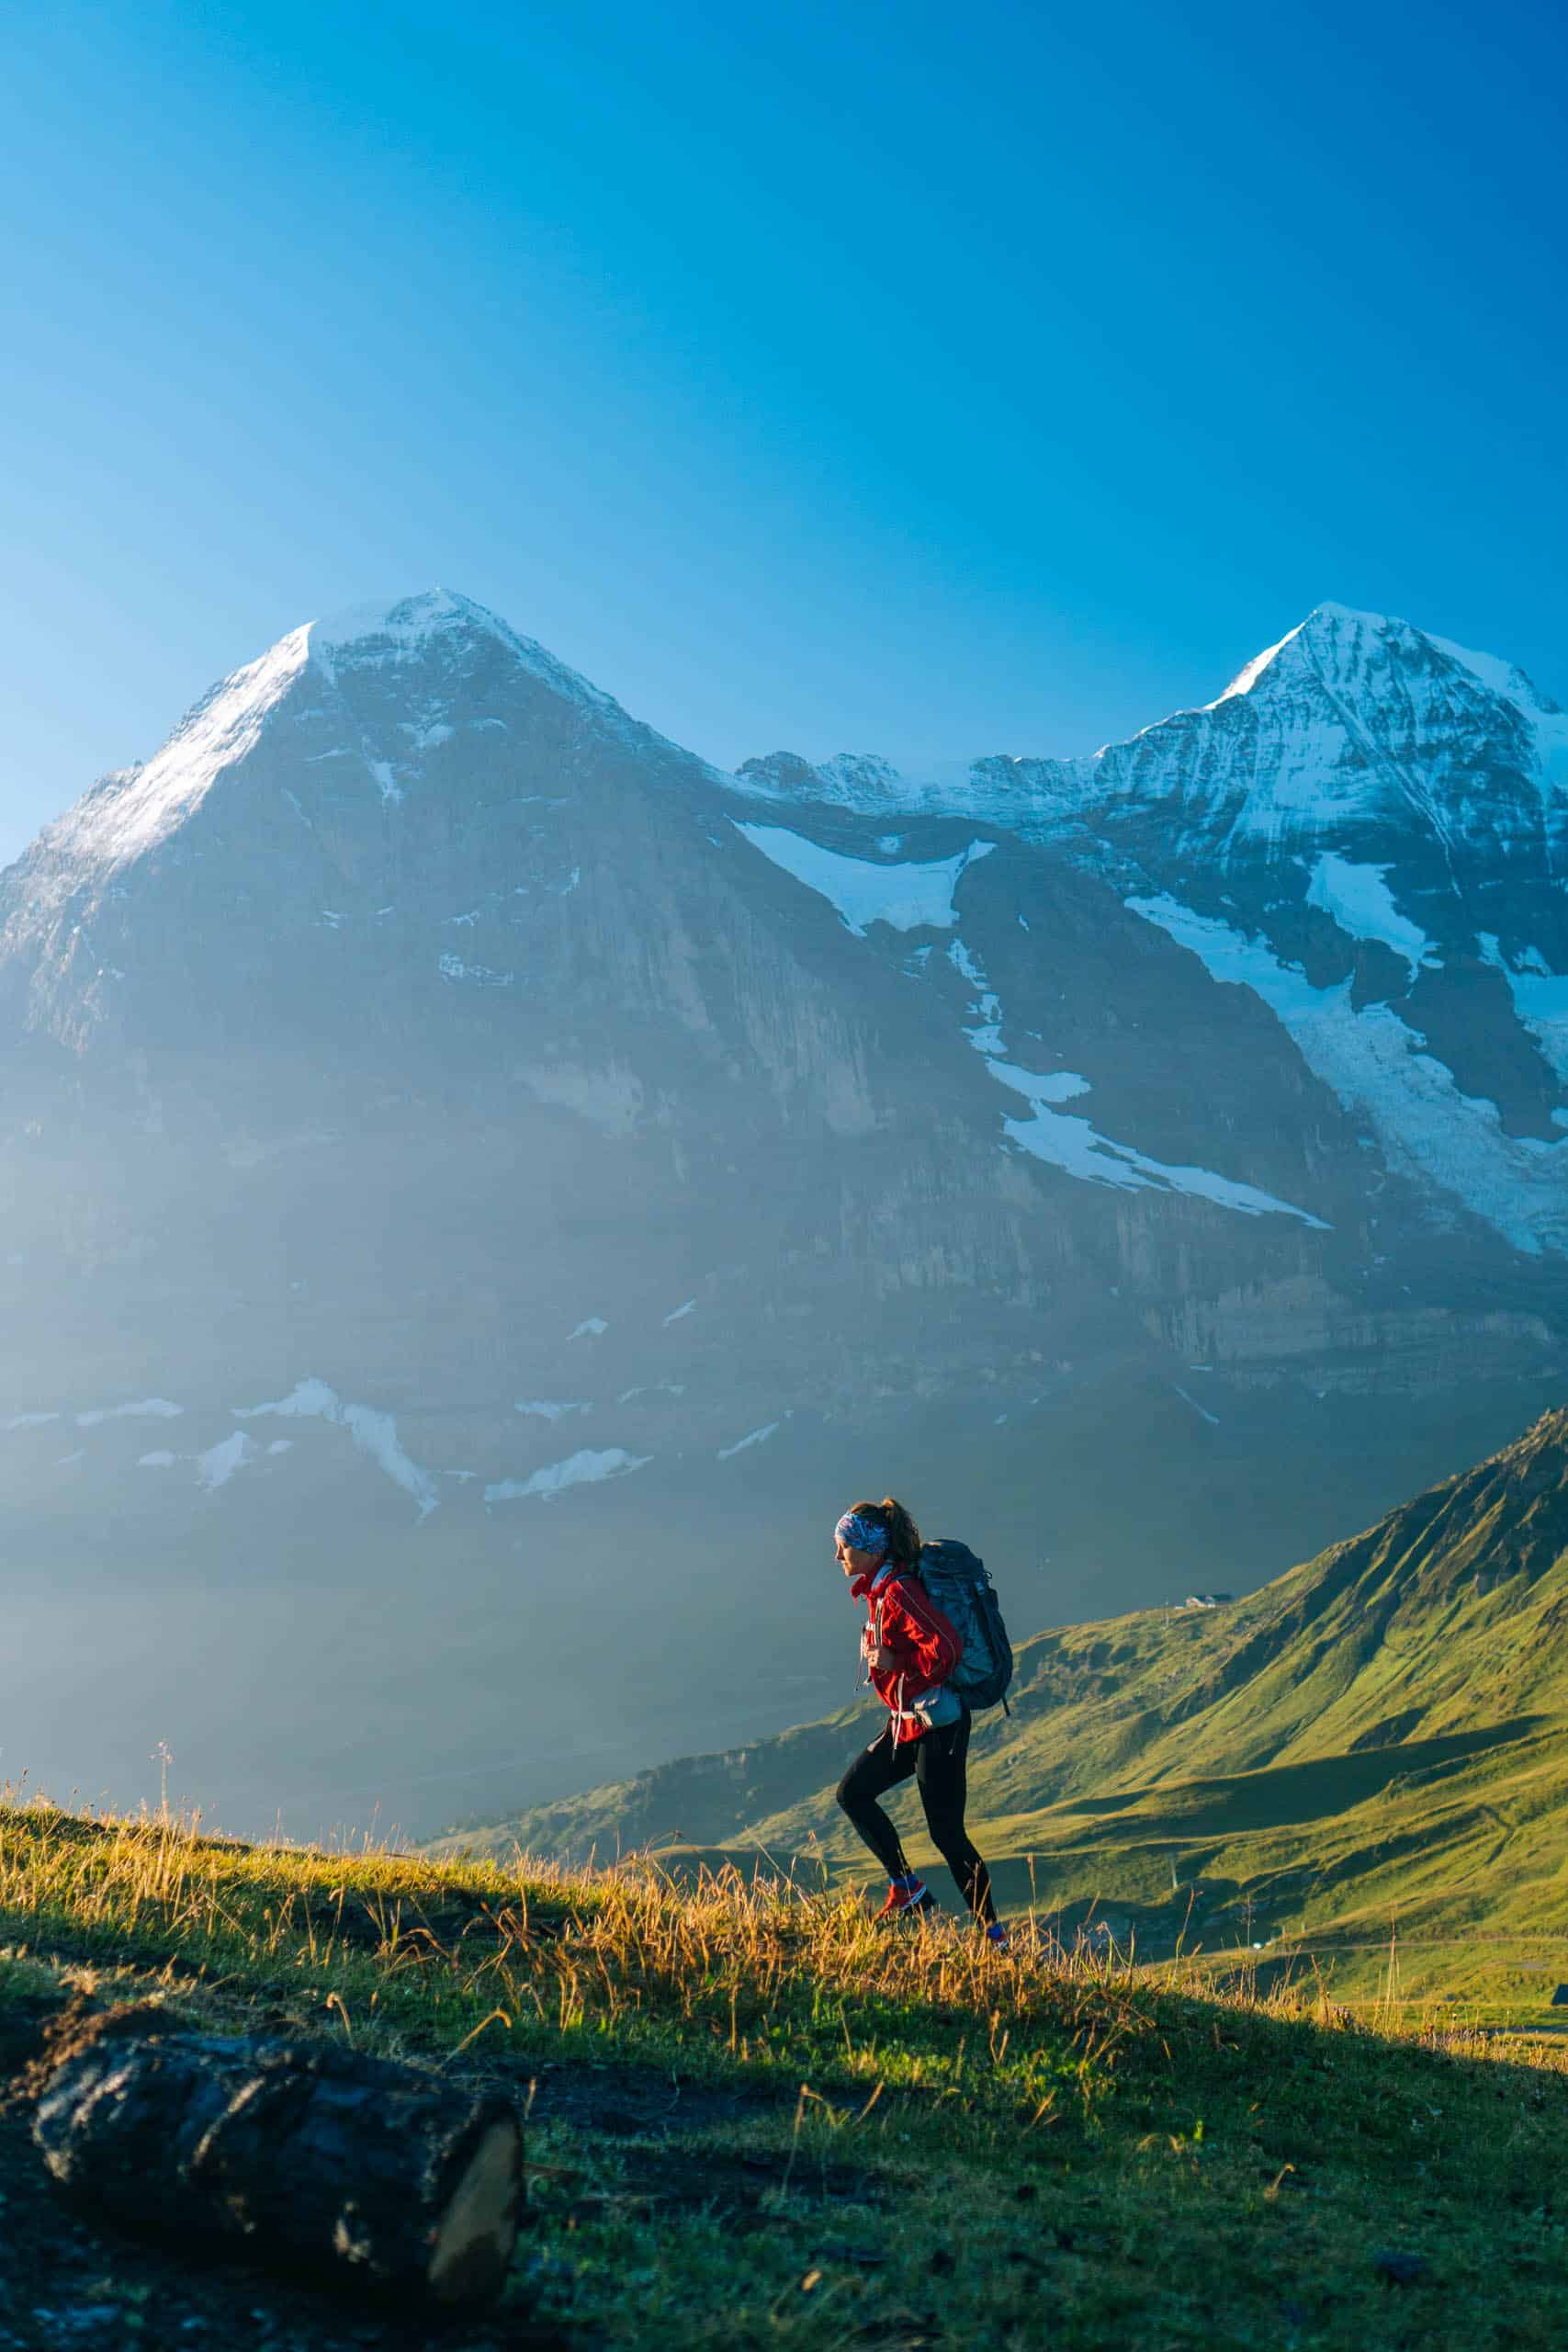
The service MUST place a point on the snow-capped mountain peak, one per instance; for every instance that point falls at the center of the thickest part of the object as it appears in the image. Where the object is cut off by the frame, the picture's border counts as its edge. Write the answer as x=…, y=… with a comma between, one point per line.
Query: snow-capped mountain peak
x=406, y=624
x=1371, y=655
x=355, y=677
x=439, y=625
x=1333, y=640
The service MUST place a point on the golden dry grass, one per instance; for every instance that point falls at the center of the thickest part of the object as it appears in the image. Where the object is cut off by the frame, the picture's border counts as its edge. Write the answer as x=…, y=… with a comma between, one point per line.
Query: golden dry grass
x=759, y=2119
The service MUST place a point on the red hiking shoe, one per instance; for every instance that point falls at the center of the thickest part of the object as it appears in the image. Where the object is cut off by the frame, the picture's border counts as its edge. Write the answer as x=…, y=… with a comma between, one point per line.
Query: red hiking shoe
x=907, y=1900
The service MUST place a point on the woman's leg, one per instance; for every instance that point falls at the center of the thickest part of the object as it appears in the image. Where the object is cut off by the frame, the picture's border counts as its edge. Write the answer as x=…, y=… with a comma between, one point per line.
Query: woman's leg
x=878, y=1768
x=941, y=1768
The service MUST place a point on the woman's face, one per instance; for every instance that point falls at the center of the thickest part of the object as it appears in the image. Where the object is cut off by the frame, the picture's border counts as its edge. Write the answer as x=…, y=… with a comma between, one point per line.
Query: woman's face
x=856, y=1564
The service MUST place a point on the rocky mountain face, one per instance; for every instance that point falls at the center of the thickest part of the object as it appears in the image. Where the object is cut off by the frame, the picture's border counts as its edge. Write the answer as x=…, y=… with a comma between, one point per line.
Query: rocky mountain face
x=481, y=1183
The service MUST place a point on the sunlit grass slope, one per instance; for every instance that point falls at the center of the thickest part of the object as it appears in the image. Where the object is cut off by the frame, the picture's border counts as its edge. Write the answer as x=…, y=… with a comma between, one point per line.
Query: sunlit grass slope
x=758, y=2120
x=1382, y=1731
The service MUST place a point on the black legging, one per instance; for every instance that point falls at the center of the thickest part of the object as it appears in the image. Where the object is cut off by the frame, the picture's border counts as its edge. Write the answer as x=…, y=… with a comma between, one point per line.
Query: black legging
x=938, y=1763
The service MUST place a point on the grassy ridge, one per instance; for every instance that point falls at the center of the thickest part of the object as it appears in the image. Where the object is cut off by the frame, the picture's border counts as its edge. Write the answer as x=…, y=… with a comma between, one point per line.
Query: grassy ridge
x=1381, y=1733
x=757, y=2120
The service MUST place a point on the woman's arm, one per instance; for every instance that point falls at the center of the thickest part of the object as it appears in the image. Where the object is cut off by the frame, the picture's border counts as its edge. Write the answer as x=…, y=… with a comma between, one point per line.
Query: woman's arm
x=927, y=1631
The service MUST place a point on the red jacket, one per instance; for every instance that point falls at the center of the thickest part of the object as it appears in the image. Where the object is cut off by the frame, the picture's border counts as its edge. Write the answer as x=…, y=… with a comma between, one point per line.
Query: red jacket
x=925, y=1649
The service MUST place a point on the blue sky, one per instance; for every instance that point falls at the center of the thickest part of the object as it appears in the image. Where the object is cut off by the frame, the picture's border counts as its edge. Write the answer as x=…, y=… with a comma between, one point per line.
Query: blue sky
x=863, y=377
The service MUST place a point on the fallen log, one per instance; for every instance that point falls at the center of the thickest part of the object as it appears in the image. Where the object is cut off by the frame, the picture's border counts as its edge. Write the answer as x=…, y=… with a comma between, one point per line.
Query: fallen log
x=306, y=2154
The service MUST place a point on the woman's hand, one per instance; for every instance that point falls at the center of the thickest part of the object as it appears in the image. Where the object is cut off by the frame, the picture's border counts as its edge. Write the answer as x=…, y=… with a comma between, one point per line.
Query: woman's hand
x=879, y=1659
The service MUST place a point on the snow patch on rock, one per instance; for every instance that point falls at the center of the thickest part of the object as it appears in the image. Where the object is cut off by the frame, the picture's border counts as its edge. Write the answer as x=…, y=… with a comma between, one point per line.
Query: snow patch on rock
x=1071, y=1144
x=906, y=897
x=581, y=1469
x=218, y=1464
x=752, y=1437
x=155, y=1409
x=1201, y=1411
x=374, y=1432
x=1359, y=899
x=453, y=968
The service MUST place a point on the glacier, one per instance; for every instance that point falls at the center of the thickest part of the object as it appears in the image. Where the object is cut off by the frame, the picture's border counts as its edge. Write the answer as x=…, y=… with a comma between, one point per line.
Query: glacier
x=1376, y=1065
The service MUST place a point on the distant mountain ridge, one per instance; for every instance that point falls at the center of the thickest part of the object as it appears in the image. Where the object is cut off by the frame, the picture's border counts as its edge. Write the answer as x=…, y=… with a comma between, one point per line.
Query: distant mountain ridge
x=1352, y=719
x=514, y=1151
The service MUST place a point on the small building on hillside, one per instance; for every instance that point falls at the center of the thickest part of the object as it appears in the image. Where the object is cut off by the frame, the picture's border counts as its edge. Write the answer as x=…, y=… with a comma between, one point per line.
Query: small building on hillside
x=1207, y=1600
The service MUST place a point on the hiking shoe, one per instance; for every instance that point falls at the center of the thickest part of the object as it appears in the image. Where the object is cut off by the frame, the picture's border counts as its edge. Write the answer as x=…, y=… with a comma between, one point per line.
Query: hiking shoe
x=908, y=1902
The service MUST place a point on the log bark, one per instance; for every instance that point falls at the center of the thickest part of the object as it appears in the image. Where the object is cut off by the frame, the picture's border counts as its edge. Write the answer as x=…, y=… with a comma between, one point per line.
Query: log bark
x=302, y=2153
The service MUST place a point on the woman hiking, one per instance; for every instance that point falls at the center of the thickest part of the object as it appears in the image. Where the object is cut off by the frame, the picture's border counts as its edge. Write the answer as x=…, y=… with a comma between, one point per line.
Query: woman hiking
x=909, y=1649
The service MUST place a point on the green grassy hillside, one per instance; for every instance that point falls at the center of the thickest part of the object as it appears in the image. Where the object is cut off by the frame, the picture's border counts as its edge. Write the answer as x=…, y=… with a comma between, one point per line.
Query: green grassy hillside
x=1380, y=1734
x=755, y=2120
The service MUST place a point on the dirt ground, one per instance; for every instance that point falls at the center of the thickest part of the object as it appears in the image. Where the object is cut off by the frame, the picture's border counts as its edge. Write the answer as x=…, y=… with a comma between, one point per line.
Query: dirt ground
x=68, y=2279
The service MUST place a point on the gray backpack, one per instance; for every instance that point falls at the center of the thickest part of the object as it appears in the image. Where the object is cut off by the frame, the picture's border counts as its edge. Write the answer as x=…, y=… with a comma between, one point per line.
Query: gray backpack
x=960, y=1586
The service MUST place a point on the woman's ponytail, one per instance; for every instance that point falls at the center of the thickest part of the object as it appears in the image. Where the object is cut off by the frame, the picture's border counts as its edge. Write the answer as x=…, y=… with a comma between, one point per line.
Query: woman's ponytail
x=903, y=1535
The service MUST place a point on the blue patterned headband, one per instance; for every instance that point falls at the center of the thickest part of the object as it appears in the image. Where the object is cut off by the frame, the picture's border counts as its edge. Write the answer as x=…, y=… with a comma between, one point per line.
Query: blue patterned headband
x=860, y=1533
